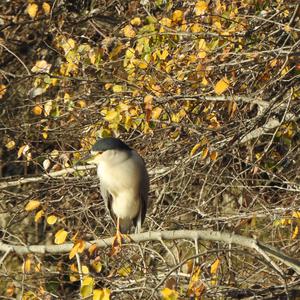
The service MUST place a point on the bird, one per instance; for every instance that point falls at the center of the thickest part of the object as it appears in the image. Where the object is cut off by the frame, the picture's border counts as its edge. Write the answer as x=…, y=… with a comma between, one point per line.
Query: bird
x=124, y=182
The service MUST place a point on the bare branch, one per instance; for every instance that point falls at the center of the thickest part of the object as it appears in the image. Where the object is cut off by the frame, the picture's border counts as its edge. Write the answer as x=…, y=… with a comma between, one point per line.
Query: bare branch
x=206, y=235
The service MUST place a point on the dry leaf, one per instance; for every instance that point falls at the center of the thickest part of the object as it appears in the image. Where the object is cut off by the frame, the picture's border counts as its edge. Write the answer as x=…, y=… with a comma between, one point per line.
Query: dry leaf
x=135, y=21
x=221, y=86
x=201, y=8
x=2, y=90
x=41, y=66
x=97, y=266
x=168, y=294
x=10, y=145
x=32, y=9
x=46, y=162
x=51, y=220
x=37, y=110
x=23, y=150
x=194, y=149
x=85, y=270
x=38, y=215
x=129, y=31
x=32, y=205
x=92, y=249
x=177, y=15
x=87, y=286
x=101, y=294
x=27, y=265
x=124, y=271
x=60, y=236
x=46, y=7
x=214, y=155
x=295, y=232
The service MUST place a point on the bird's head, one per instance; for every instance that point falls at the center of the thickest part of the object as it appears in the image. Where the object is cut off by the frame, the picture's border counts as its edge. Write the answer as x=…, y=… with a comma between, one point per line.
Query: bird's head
x=102, y=145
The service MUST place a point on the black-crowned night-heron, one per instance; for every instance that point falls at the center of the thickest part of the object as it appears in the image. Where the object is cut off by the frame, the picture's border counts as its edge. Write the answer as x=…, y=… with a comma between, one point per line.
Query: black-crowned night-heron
x=124, y=182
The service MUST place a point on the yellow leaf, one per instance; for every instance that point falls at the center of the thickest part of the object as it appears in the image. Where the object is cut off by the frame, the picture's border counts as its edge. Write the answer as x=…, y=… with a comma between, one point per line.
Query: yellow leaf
x=46, y=7
x=32, y=205
x=201, y=8
x=51, y=220
x=60, y=236
x=23, y=150
x=202, y=48
x=2, y=90
x=68, y=45
x=213, y=270
x=117, y=88
x=204, y=81
x=148, y=101
x=141, y=64
x=214, y=155
x=282, y=222
x=87, y=286
x=166, y=22
x=101, y=294
x=295, y=233
x=97, y=266
x=273, y=62
x=45, y=135
x=135, y=21
x=113, y=116
x=124, y=271
x=214, y=267
x=164, y=54
x=10, y=145
x=296, y=214
x=77, y=248
x=27, y=265
x=196, y=27
x=217, y=25
x=107, y=86
x=85, y=270
x=129, y=31
x=37, y=268
x=177, y=15
x=41, y=66
x=156, y=113
x=221, y=86
x=168, y=294
x=194, y=149
x=92, y=249
x=47, y=108
x=37, y=110
x=32, y=9
x=81, y=103
x=204, y=153
x=38, y=215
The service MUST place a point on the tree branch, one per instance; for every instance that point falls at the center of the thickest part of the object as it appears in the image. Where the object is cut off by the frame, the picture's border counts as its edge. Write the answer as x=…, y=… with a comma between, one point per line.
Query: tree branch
x=206, y=235
x=61, y=173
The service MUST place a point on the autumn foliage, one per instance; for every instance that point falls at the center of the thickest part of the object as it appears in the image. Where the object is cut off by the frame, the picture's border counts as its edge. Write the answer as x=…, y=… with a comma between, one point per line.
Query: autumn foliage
x=206, y=91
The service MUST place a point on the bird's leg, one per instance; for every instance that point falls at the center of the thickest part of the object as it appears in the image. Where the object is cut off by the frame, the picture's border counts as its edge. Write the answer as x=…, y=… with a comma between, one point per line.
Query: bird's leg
x=118, y=233
x=117, y=243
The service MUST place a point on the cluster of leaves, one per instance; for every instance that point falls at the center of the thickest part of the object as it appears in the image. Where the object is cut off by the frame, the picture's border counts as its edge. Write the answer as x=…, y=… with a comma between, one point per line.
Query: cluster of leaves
x=189, y=79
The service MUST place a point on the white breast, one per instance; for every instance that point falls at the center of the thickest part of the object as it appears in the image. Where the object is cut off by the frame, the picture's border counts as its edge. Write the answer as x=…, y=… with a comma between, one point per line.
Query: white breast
x=120, y=173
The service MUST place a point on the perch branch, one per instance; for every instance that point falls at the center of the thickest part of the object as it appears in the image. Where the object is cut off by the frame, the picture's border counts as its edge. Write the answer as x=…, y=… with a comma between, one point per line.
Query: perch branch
x=206, y=235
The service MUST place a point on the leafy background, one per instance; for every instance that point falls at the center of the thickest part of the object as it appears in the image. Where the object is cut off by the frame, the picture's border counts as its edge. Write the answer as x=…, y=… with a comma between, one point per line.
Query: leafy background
x=206, y=91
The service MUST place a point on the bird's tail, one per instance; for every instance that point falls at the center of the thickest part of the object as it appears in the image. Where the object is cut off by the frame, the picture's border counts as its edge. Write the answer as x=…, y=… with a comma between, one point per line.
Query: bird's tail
x=125, y=225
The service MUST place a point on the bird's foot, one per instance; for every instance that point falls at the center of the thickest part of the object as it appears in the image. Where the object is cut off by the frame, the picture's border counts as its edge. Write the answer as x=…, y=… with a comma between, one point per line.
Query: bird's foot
x=117, y=243
x=119, y=239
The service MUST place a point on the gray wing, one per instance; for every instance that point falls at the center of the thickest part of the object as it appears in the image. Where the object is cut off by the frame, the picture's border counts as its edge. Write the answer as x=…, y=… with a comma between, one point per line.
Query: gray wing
x=144, y=190
x=107, y=198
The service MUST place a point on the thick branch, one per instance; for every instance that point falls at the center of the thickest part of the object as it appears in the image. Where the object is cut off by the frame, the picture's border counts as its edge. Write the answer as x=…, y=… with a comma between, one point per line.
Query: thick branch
x=206, y=235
